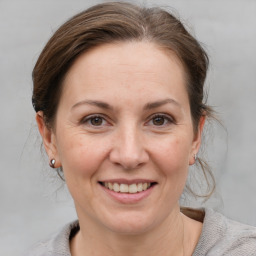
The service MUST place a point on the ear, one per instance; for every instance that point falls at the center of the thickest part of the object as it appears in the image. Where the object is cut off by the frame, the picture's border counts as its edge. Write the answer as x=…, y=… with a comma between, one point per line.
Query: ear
x=197, y=140
x=49, y=139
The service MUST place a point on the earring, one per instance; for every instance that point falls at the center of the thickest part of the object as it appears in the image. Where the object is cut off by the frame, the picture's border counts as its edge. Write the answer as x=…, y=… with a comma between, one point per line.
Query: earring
x=195, y=157
x=52, y=163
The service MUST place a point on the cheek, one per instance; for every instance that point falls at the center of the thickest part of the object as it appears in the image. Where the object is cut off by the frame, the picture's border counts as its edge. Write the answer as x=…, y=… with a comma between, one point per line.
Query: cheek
x=80, y=157
x=172, y=160
x=173, y=163
x=174, y=151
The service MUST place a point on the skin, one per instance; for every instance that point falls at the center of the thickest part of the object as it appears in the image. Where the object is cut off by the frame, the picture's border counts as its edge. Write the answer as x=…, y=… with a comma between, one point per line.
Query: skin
x=126, y=141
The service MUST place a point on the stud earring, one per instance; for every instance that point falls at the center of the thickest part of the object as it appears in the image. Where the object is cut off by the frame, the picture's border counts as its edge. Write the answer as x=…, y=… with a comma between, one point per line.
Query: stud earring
x=52, y=163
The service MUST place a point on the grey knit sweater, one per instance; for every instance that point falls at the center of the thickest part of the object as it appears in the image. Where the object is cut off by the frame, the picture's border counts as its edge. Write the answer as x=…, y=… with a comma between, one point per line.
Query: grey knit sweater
x=220, y=237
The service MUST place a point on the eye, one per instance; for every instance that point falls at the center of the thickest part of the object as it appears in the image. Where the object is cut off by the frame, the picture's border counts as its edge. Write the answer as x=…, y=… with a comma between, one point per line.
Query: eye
x=94, y=120
x=160, y=120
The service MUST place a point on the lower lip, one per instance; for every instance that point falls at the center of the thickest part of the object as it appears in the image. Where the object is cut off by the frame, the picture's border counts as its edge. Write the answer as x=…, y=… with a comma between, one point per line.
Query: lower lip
x=128, y=198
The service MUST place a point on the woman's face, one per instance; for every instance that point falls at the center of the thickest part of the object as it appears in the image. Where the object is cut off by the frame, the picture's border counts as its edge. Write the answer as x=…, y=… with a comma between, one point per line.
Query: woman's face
x=124, y=123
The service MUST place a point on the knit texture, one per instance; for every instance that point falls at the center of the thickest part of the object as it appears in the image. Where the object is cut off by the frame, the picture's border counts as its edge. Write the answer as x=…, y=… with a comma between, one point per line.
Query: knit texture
x=220, y=237
x=224, y=237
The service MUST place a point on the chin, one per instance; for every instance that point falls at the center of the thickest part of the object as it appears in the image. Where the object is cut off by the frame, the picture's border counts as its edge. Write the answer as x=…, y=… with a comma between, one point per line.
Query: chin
x=132, y=223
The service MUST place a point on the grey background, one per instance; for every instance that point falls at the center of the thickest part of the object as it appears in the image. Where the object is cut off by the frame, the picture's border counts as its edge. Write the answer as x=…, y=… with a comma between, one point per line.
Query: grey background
x=33, y=203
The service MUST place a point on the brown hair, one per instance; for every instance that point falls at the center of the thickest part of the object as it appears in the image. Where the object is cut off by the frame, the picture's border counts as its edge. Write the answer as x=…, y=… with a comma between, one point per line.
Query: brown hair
x=117, y=22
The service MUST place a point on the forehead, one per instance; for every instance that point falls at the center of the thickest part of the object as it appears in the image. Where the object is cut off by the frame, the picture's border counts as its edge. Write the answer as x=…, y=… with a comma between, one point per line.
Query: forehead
x=139, y=66
x=146, y=55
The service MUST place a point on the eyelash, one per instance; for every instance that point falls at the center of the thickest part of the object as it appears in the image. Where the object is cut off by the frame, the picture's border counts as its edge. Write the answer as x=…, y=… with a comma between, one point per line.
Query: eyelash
x=91, y=117
x=167, y=120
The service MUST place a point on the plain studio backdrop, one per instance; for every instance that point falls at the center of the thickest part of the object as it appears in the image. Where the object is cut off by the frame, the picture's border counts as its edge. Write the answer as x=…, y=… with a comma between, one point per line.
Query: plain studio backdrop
x=33, y=203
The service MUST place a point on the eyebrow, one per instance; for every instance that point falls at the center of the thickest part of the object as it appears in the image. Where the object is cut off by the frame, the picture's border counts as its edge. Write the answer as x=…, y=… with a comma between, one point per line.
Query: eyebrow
x=156, y=104
x=96, y=103
x=148, y=106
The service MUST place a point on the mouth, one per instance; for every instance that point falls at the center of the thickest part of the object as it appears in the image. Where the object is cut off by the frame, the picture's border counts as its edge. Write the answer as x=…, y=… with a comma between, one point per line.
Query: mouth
x=132, y=188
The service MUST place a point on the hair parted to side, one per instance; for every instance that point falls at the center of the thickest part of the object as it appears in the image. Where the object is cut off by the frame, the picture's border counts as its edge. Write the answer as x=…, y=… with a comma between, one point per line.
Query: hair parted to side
x=119, y=22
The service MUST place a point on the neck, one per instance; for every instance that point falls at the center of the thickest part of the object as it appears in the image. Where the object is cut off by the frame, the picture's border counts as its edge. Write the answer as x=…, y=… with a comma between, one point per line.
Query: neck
x=165, y=239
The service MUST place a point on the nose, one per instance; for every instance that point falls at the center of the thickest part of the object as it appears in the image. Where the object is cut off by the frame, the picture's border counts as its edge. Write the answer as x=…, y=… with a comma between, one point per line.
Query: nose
x=128, y=149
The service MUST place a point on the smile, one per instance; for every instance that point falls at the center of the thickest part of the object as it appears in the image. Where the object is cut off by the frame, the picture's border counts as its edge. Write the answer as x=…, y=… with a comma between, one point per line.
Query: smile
x=127, y=188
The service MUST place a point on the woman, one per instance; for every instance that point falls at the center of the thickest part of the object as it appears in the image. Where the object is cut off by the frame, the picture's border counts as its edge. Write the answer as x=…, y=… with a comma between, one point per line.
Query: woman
x=118, y=95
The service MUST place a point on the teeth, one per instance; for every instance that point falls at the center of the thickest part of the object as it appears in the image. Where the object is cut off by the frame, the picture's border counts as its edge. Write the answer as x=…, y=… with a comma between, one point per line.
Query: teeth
x=110, y=186
x=144, y=186
x=140, y=188
x=116, y=187
x=133, y=188
x=125, y=188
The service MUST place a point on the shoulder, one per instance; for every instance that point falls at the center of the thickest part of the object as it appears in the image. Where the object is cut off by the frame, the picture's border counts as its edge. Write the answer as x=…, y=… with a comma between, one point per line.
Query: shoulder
x=57, y=244
x=223, y=236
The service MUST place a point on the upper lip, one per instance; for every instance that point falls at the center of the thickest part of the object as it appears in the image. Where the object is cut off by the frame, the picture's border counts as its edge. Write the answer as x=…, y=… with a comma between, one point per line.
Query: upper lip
x=128, y=181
